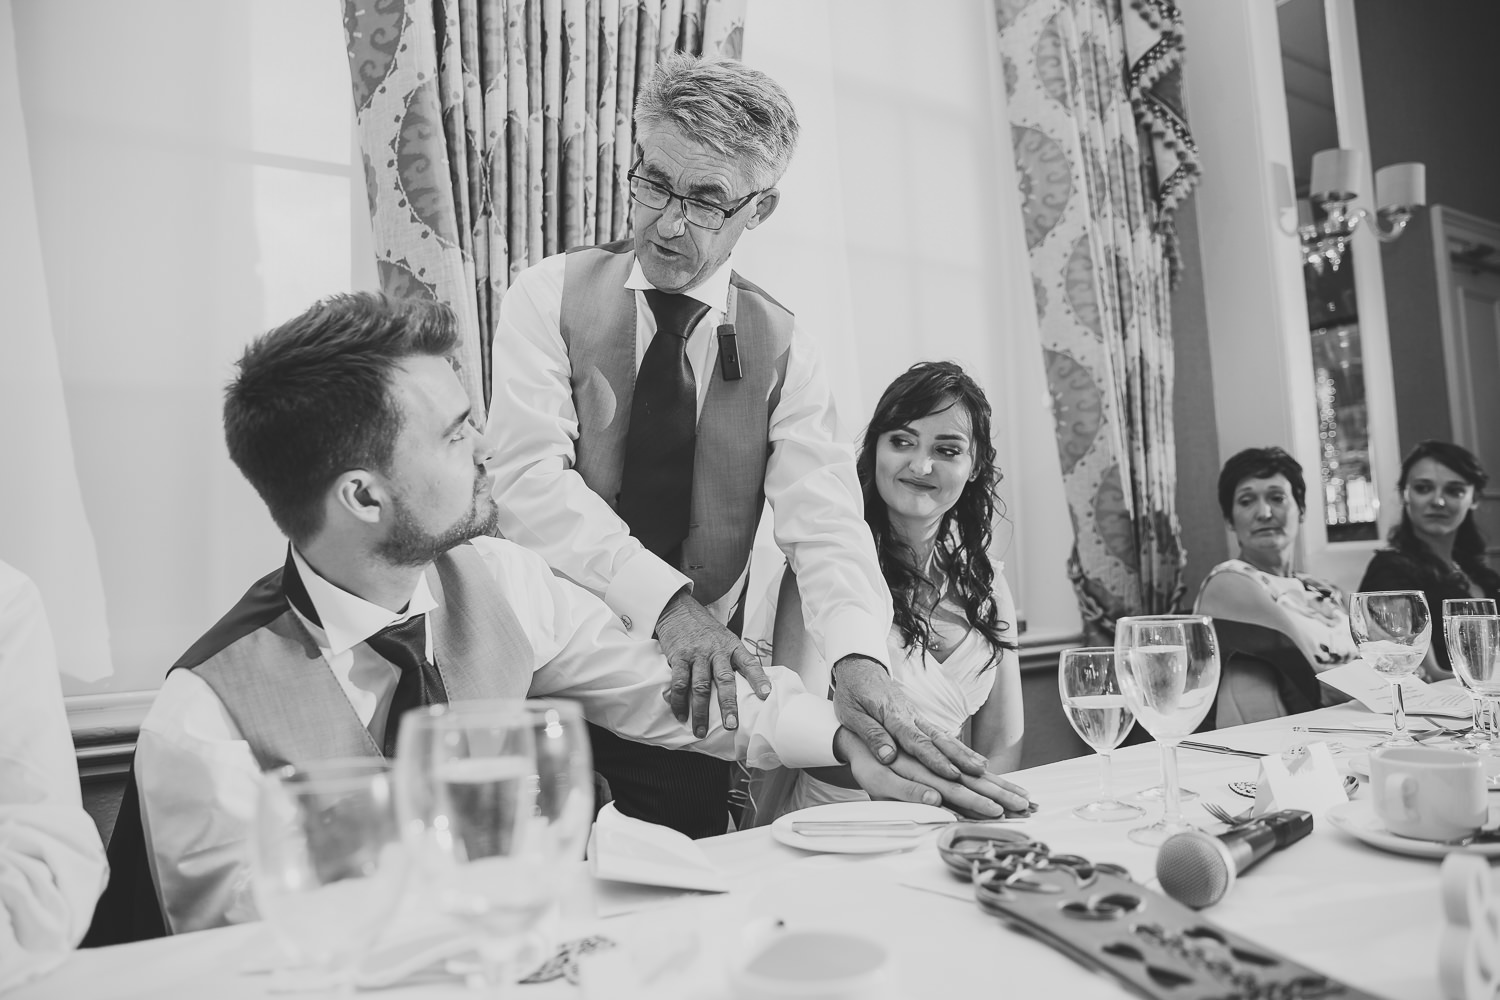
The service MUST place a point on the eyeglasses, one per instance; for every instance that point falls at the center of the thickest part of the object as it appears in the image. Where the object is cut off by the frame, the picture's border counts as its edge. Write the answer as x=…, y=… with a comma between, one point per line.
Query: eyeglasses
x=703, y=214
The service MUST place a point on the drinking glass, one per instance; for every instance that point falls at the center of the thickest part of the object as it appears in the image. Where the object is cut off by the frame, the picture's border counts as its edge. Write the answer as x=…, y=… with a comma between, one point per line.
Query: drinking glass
x=565, y=772
x=1477, y=738
x=327, y=865
x=467, y=798
x=1091, y=699
x=1474, y=651
x=1393, y=629
x=565, y=796
x=1168, y=667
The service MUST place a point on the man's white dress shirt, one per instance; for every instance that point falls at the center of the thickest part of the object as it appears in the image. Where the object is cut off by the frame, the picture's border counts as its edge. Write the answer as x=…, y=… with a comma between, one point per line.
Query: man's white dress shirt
x=810, y=480
x=198, y=777
x=52, y=866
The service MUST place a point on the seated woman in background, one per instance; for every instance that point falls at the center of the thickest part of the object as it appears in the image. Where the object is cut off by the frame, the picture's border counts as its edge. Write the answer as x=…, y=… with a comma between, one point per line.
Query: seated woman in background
x=927, y=469
x=1436, y=548
x=1277, y=627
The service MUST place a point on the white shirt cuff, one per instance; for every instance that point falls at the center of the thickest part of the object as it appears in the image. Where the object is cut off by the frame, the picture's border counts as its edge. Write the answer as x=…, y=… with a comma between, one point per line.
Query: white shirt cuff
x=805, y=731
x=851, y=632
x=640, y=590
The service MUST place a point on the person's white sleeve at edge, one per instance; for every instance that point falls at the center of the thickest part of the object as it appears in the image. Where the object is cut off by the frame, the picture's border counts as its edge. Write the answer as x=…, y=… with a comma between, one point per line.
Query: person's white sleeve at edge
x=52, y=866
x=544, y=503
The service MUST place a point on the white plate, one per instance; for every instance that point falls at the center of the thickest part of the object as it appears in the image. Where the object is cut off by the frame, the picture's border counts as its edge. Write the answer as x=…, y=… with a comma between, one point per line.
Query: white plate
x=1358, y=819
x=859, y=811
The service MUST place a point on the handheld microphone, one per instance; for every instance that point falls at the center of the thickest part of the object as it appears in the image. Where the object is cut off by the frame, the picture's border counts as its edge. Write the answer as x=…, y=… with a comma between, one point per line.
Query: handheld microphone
x=1198, y=869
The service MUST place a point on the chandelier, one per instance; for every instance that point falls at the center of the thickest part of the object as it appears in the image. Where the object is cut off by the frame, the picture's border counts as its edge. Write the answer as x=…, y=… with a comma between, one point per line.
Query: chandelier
x=1399, y=188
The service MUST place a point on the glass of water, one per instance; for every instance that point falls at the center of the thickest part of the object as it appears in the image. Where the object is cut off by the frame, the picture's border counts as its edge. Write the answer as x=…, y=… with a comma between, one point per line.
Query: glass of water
x=1474, y=651
x=1476, y=738
x=1393, y=630
x=1096, y=708
x=1169, y=673
x=467, y=794
x=327, y=865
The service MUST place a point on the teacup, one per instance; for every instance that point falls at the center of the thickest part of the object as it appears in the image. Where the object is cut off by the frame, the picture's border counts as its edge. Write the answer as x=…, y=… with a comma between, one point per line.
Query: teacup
x=813, y=965
x=1428, y=793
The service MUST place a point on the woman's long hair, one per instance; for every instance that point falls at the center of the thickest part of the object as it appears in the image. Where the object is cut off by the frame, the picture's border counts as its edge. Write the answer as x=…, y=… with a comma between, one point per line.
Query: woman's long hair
x=963, y=537
x=1468, y=546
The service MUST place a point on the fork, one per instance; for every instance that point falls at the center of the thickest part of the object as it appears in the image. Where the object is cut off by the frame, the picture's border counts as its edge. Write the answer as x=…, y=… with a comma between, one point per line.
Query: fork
x=1439, y=733
x=1226, y=817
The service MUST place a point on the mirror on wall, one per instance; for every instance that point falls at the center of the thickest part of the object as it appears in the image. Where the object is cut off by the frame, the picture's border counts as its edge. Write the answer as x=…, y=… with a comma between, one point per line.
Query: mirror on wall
x=1351, y=503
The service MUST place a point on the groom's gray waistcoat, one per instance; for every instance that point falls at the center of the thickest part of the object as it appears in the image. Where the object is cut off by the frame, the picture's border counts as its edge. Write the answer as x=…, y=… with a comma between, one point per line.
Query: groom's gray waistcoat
x=274, y=683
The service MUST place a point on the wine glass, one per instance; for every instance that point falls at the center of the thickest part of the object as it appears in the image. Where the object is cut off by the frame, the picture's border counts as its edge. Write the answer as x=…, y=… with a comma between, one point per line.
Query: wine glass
x=1477, y=738
x=565, y=794
x=565, y=771
x=466, y=796
x=1393, y=629
x=1091, y=699
x=1474, y=651
x=327, y=865
x=1168, y=667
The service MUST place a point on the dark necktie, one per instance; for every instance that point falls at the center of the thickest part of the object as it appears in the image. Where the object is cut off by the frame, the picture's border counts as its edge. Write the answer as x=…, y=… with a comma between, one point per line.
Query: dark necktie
x=405, y=645
x=656, y=487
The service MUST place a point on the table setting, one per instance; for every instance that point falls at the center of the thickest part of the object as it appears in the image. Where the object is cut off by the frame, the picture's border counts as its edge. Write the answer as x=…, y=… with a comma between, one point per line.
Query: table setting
x=1317, y=863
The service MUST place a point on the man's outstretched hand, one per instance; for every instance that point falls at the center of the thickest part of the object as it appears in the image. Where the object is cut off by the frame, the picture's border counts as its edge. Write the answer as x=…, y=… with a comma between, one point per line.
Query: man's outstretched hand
x=868, y=702
x=986, y=796
x=704, y=656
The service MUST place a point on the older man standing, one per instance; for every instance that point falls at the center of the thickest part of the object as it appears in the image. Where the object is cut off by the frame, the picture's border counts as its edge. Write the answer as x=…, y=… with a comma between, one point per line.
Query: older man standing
x=649, y=400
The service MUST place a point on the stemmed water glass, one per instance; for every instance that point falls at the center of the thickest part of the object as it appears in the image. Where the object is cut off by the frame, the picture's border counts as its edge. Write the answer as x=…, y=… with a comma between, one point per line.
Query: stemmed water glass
x=1168, y=667
x=467, y=798
x=1393, y=630
x=1091, y=699
x=565, y=789
x=327, y=865
x=1476, y=738
x=1474, y=651
x=565, y=772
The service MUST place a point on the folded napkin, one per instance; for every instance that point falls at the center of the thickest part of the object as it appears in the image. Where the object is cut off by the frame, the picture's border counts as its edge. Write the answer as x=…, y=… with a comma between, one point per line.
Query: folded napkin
x=622, y=849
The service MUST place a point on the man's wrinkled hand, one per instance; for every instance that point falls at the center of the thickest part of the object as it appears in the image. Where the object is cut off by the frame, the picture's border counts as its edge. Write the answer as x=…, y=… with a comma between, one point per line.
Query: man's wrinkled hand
x=986, y=796
x=704, y=656
x=868, y=702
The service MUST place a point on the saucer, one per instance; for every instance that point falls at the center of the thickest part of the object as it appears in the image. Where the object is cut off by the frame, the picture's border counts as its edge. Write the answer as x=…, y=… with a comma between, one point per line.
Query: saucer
x=1357, y=818
x=861, y=812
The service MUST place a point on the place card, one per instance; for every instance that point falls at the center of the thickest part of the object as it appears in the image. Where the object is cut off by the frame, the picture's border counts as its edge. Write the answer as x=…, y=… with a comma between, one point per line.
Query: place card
x=1372, y=689
x=1309, y=781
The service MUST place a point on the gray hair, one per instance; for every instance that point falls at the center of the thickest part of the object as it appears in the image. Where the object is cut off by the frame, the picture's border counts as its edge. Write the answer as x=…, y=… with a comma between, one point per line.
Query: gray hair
x=726, y=106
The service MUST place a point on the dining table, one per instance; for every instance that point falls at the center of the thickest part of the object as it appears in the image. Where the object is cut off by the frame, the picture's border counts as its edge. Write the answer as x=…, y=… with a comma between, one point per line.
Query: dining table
x=1361, y=914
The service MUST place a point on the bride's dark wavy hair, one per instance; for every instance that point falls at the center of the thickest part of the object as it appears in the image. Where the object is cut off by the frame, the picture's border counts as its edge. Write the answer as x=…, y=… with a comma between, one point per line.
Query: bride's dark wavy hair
x=963, y=538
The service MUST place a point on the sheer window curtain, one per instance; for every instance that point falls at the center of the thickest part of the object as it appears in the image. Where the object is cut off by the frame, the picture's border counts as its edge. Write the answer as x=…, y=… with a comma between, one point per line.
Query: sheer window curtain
x=897, y=239
x=1104, y=157
x=497, y=132
x=44, y=531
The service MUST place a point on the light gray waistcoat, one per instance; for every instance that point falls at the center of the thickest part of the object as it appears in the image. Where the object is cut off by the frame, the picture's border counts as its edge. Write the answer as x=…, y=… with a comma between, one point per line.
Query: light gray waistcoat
x=286, y=701
x=598, y=325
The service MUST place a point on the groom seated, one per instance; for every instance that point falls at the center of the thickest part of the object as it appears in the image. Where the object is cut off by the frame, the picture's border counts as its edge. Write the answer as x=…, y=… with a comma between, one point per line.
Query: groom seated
x=353, y=427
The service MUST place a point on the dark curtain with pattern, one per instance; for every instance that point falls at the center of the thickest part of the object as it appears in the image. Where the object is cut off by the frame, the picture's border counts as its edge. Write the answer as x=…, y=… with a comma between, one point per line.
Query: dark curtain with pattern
x=497, y=132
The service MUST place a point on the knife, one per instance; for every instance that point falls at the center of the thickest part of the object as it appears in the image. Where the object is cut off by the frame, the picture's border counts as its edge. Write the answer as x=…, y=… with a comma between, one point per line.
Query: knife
x=878, y=828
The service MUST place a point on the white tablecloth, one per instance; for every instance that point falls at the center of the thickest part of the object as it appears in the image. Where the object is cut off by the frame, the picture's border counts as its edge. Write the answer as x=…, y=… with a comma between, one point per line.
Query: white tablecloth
x=1364, y=916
